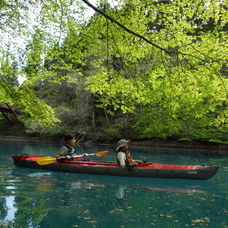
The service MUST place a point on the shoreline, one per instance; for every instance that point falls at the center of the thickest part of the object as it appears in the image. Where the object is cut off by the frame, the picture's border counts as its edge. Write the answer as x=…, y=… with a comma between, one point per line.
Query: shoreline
x=153, y=143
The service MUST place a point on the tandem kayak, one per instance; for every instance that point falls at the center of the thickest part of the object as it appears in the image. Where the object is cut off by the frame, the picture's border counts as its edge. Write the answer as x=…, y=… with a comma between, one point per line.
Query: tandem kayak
x=152, y=170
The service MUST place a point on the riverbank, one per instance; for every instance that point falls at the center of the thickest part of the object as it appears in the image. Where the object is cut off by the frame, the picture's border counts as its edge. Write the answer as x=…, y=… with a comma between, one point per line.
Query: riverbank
x=141, y=143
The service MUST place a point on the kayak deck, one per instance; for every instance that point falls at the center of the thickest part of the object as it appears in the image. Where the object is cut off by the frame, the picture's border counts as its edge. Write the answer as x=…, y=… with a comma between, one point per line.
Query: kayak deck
x=154, y=170
x=115, y=164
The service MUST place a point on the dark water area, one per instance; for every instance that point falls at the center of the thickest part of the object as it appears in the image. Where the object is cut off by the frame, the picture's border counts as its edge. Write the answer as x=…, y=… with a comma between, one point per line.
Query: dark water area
x=32, y=198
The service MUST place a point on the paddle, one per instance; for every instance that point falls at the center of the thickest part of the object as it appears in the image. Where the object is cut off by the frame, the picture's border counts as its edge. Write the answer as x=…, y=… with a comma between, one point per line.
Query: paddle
x=50, y=160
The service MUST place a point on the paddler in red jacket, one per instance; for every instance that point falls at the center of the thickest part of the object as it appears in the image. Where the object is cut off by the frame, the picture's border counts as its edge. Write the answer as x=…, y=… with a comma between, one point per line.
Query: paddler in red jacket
x=124, y=157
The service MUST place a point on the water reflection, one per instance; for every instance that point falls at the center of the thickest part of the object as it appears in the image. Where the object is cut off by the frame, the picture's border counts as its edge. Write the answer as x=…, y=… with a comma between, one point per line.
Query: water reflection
x=8, y=204
x=87, y=196
x=11, y=209
x=53, y=190
x=122, y=186
x=37, y=198
x=46, y=182
x=122, y=189
x=85, y=185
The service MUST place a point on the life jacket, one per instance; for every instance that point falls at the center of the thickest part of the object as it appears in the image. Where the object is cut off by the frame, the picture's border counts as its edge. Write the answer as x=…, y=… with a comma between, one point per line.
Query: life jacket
x=70, y=150
x=128, y=160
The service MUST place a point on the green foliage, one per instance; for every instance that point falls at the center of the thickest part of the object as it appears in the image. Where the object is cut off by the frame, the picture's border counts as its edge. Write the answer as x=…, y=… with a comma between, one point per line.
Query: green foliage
x=176, y=94
x=169, y=72
x=113, y=133
x=39, y=114
x=33, y=111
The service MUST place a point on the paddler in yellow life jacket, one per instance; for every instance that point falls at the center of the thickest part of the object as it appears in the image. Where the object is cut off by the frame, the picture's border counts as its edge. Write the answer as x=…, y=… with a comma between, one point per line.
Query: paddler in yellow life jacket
x=124, y=157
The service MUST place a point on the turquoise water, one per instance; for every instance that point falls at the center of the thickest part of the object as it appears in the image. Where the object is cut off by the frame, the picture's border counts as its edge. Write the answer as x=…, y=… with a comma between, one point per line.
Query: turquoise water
x=31, y=198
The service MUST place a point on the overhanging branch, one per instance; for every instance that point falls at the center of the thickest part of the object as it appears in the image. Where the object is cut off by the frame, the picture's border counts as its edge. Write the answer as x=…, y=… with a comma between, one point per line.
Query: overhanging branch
x=124, y=27
x=145, y=39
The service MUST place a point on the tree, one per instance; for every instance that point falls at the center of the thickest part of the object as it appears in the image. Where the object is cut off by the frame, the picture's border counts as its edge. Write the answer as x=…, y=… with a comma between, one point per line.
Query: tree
x=164, y=62
x=183, y=91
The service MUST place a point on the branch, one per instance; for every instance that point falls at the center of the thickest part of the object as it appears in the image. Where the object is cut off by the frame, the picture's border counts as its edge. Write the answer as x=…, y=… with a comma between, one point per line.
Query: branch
x=169, y=52
x=78, y=139
x=15, y=114
x=124, y=27
x=144, y=38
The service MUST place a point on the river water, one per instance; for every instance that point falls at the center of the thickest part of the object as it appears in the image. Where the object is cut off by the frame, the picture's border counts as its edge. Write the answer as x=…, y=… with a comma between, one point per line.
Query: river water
x=31, y=198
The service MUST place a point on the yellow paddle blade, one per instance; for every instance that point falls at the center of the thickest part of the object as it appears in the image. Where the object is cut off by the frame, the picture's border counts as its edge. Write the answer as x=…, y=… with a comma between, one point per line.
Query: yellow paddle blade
x=102, y=153
x=45, y=160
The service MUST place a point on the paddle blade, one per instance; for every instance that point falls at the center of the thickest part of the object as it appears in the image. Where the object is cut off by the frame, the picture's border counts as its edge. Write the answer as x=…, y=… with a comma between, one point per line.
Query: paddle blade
x=102, y=153
x=45, y=160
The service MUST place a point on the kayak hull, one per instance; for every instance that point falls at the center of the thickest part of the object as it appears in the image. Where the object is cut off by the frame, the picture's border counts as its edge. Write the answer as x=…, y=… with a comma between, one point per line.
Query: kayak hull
x=151, y=170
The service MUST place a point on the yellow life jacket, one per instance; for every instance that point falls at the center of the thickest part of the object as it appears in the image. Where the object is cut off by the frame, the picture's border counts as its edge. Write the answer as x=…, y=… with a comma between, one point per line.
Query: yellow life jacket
x=129, y=160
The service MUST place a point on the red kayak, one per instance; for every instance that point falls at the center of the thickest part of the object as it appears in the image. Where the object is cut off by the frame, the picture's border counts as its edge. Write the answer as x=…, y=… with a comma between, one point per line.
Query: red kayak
x=153, y=170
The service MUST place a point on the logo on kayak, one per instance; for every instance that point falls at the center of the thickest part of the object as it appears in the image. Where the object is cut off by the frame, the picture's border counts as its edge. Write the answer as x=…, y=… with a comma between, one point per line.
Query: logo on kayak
x=192, y=172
